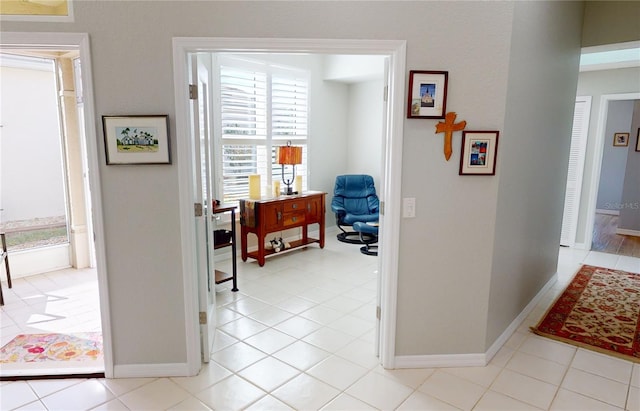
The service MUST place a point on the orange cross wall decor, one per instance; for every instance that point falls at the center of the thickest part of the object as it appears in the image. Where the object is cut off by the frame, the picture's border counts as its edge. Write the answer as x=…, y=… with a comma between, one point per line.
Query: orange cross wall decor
x=448, y=127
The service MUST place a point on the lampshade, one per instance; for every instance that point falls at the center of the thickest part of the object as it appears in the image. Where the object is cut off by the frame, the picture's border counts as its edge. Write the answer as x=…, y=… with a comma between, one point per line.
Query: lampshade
x=289, y=154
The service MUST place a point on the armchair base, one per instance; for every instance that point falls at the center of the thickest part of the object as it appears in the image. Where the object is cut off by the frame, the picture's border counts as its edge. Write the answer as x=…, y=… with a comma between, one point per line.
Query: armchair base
x=366, y=231
x=354, y=237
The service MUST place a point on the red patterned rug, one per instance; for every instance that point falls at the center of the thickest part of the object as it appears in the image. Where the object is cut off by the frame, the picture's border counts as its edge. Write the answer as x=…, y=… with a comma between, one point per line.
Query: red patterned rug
x=52, y=347
x=599, y=310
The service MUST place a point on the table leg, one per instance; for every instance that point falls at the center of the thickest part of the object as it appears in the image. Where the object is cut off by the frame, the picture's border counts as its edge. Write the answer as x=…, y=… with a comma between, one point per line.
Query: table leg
x=243, y=243
x=261, y=250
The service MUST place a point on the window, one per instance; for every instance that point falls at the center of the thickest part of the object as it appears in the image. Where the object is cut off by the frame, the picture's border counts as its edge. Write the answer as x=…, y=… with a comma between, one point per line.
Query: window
x=262, y=105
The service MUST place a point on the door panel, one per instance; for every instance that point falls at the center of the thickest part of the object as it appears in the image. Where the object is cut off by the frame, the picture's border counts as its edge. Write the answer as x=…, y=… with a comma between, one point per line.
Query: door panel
x=577, y=155
x=199, y=71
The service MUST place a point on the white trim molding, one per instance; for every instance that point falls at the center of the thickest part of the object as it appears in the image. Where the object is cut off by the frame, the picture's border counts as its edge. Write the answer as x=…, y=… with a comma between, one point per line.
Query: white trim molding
x=624, y=231
x=439, y=361
x=150, y=370
x=395, y=50
x=607, y=212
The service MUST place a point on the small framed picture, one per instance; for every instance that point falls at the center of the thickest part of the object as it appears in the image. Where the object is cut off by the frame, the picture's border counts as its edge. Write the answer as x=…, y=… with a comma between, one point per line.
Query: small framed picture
x=620, y=139
x=427, y=94
x=479, y=151
x=638, y=141
x=136, y=139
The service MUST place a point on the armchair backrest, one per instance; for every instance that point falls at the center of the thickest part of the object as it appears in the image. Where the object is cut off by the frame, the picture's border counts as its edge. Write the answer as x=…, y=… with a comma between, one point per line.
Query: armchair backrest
x=356, y=194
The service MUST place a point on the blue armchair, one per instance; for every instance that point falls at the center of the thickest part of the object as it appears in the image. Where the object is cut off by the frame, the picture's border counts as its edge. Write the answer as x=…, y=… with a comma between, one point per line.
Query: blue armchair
x=354, y=200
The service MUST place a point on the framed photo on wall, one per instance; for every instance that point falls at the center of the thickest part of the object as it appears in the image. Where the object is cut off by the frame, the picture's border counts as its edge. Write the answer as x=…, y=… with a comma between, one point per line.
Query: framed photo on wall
x=479, y=151
x=136, y=139
x=638, y=141
x=427, y=94
x=620, y=139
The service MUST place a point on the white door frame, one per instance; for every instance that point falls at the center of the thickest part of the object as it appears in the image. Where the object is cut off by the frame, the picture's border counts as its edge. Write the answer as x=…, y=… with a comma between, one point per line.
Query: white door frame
x=80, y=42
x=596, y=164
x=392, y=172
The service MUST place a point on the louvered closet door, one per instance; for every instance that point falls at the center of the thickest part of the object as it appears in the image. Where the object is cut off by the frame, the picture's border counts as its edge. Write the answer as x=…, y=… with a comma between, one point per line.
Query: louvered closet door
x=576, y=170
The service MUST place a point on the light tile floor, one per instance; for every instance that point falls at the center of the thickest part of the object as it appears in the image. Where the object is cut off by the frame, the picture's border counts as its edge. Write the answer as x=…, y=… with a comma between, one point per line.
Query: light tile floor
x=60, y=301
x=64, y=301
x=299, y=335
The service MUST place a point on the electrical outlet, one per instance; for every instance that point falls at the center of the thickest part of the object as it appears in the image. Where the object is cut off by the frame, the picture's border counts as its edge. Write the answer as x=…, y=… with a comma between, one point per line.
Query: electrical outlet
x=409, y=207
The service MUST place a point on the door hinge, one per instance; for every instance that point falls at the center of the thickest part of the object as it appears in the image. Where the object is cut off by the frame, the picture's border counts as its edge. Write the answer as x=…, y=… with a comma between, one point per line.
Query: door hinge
x=203, y=318
x=378, y=312
x=386, y=94
x=381, y=207
x=197, y=209
x=193, y=91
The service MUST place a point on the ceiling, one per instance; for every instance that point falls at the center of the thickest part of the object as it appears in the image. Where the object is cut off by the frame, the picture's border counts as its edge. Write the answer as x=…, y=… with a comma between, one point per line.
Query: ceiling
x=611, y=56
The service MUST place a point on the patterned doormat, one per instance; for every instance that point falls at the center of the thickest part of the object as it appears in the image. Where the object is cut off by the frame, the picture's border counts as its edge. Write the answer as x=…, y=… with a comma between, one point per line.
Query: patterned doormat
x=599, y=310
x=52, y=347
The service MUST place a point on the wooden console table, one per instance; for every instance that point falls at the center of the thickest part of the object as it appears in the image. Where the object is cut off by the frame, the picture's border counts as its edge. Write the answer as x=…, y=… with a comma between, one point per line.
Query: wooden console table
x=265, y=216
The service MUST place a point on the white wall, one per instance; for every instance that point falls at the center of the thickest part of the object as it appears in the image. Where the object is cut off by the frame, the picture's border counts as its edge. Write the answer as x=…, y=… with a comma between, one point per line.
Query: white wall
x=31, y=173
x=596, y=84
x=614, y=159
x=446, y=268
x=365, y=114
x=534, y=155
x=353, y=68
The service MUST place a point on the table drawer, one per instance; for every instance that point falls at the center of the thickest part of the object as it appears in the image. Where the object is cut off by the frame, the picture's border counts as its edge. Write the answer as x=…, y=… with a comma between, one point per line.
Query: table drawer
x=293, y=219
x=297, y=205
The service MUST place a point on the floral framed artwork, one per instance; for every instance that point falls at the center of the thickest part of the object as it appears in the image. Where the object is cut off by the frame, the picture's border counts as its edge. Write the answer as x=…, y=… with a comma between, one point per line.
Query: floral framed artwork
x=620, y=139
x=427, y=94
x=136, y=139
x=479, y=151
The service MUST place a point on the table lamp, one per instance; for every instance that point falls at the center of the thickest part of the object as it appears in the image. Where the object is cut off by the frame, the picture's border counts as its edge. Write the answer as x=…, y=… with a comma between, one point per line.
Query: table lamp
x=289, y=155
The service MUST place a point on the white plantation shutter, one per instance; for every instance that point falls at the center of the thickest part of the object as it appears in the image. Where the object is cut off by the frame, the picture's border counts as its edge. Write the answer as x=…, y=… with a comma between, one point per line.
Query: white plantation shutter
x=243, y=104
x=261, y=107
x=289, y=111
x=290, y=119
x=577, y=152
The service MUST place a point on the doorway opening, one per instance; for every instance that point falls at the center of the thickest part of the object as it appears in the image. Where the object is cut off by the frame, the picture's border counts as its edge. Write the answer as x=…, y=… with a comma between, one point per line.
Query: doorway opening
x=594, y=210
x=52, y=219
x=390, y=160
x=605, y=196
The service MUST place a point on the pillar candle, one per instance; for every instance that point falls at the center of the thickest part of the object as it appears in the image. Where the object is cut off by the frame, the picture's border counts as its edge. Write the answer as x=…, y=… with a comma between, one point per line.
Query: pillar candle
x=254, y=186
x=298, y=184
x=276, y=188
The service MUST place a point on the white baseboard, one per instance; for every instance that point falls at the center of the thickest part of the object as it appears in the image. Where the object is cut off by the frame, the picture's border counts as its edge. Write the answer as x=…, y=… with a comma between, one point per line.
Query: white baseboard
x=581, y=246
x=479, y=359
x=608, y=212
x=151, y=370
x=440, y=360
x=624, y=231
x=504, y=337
